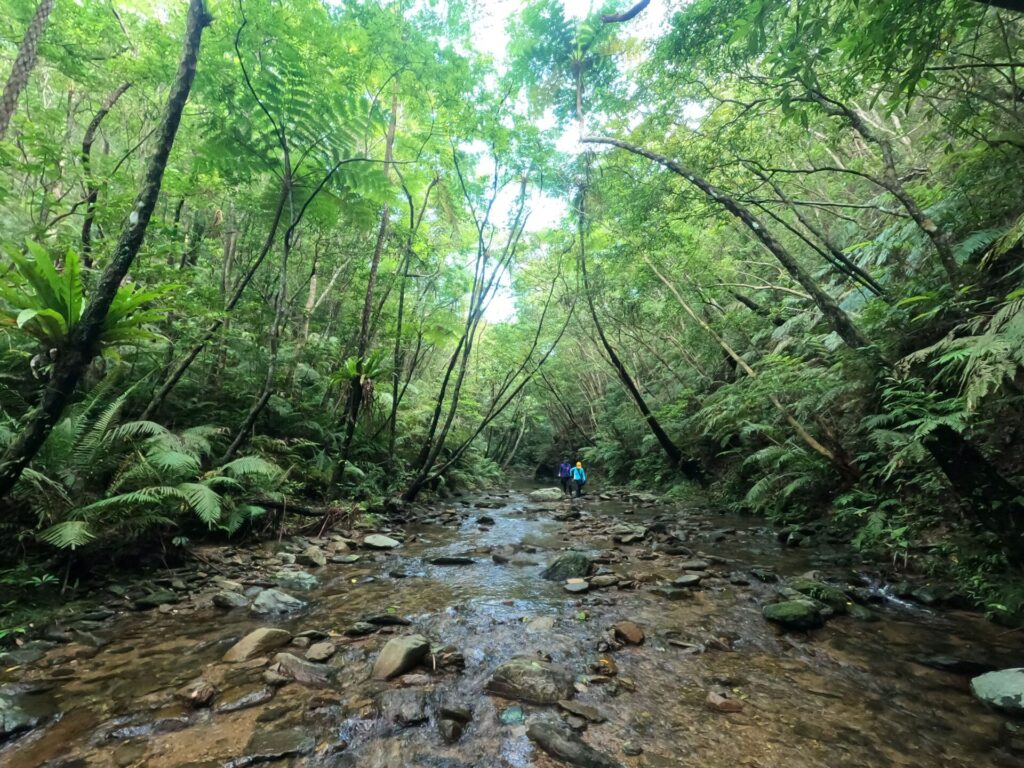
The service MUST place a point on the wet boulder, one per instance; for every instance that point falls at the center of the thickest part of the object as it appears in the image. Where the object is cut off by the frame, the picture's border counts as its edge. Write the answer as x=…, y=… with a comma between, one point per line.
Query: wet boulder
x=546, y=494
x=271, y=601
x=15, y=716
x=562, y=744
x=795, y=614
x=831, y=596
x=399, y=655
x=570, y=565
x=1003, y=689
x=257, y=643
x=532, y=680
x=268, y=745
x=320, y=652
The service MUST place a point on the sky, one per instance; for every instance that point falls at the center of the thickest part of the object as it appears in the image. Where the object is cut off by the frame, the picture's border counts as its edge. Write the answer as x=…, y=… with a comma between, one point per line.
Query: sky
x=490, y=37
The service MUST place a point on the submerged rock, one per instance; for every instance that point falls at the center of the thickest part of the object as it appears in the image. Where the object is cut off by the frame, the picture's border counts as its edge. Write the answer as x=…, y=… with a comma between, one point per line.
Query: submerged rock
x=274, y=601
x=452, y=560
x=258, y=642
x=562, y=744
x=532, y=680
x=399, y=655
x=795, y=614
x=571, y=565
x=1003, y=689
x=831, y=596
x=15, y=718
x=628, y=632
x=156, y=599
x=267, y=745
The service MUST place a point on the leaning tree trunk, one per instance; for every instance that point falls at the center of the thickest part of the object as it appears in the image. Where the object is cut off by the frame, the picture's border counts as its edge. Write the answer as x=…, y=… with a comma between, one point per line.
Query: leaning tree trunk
x=92, y=189
x=23, y=65
x=82, y=342
x=689, y=467
x=994, y=500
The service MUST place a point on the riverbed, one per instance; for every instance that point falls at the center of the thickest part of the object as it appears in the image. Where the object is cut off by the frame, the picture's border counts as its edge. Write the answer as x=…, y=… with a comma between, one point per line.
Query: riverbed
x=853, y=694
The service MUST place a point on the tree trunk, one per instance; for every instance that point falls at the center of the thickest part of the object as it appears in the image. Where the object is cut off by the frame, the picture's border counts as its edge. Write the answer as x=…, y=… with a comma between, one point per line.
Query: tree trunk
x=689, y=467
x=82, y=342
x=24, y=63
x=92, y=190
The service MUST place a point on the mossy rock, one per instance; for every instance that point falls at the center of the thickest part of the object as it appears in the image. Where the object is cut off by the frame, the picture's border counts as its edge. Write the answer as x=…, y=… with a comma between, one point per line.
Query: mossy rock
x=831, y=596
x=795, y=614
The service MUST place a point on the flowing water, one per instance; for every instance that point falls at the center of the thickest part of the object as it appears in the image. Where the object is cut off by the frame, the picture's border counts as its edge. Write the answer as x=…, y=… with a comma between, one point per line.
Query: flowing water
x=847, y=695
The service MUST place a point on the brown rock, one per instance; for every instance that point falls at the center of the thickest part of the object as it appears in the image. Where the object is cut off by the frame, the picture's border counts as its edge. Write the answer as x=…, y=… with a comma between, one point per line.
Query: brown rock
x=628, y=632
x=719, y=703
x=257, y=643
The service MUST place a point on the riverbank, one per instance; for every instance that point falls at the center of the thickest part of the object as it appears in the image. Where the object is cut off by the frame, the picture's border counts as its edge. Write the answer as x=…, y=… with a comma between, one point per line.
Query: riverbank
x=650, y=633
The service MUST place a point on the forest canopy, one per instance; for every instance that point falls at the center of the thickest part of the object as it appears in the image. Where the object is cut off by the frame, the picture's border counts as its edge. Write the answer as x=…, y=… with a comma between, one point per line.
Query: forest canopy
x=265, y=255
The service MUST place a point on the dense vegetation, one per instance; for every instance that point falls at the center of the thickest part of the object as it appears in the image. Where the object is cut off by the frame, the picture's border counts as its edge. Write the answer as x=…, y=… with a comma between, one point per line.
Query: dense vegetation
x=789, y=267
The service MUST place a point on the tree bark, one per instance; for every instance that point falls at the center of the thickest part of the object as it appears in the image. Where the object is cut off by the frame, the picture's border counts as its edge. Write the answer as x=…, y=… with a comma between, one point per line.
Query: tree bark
x=82, y=343
x=92, y=190
x=24, y=63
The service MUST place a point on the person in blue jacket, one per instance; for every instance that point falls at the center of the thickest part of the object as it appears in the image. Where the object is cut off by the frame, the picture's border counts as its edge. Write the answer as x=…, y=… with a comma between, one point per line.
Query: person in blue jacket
x=565, y=477
x=579, y=478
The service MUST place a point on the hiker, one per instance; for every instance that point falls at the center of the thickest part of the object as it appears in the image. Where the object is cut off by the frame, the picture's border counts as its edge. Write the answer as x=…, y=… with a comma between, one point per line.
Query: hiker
x=579, y=478
x=565, y=477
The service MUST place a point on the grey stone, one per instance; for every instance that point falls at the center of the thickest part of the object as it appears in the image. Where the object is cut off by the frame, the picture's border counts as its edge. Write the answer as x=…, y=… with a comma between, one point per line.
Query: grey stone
x=156, y=599
x=243, y=697
x=312, y=556
x=320, y=651
x=271, y=601
x=399, y=655
x=380, y=541
x=532, y=680
x=546, y=494
x=267, y=745
x=300, y=580
x=302, y=671
x=795, y=614
x=1003, y=689
x=228, y=600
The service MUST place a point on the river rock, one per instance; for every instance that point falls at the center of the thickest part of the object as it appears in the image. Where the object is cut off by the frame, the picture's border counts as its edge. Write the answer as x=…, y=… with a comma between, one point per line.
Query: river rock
x=156, y=599
x=302, y=671
x=694, y=565
x=587, y=712
x=1003, y=689
x=570, y=565
x=831, y=596
x=562, y=744
x=533, y=680
x=719, y=703
x=546, y=494
x=257, y=643
x=244, y=697
x=452, y=560
x=405, y=706
x=628, y=632
x=380, y=541
x=274, y=601
x=312, y=556
x=361, y=629
x=228, y=600
x=795, y=614
x=321, y=651
x=604, y=580
x=399, y=655
x=687, y=580
x=267, y=745
x=300, y=580
x=15, y=719
x=198, y=693
x=576, y=585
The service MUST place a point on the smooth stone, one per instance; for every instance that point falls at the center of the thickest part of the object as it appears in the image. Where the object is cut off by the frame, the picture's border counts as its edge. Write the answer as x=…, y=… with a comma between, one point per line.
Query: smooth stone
x=562, y=744
x=274, y=601
x=361, y=629
x=719, y=703
x=257, y=643
x=388, y=620
x=452, y=560
x=576, y=586
x=320, y=651
x=546, y=494
x=604, y=580
x=266, y=745
x=1003, y=689
x=198, y=693
x=687, y=580
x=399, y=655
x=532, y=680
x=380, y=541
x=693, y=565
